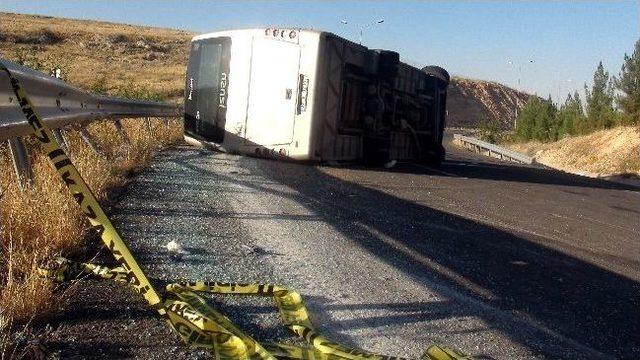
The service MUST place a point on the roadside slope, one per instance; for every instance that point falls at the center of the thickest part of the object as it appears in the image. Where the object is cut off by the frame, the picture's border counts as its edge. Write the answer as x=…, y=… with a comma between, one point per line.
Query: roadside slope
x=611, y=152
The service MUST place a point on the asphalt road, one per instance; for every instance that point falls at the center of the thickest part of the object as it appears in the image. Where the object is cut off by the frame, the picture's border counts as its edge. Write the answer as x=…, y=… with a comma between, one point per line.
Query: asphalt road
x=490, y=258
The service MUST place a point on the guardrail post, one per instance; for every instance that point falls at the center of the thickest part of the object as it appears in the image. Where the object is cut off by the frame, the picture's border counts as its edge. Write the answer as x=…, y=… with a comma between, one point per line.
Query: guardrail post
x=91, y=142
x=147, y=122
x=62, y=139
x=21, y=163
x=121, y=132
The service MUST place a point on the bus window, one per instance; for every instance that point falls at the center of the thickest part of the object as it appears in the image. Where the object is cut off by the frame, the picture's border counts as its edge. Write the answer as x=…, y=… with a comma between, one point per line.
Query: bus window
x=207, y=88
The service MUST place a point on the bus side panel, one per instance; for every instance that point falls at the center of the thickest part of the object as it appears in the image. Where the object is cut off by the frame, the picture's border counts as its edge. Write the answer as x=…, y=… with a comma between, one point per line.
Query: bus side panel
x=337, y=146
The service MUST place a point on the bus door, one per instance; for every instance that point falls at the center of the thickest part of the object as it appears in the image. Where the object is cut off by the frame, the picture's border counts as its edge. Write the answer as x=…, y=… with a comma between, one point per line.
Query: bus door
x=272, y=92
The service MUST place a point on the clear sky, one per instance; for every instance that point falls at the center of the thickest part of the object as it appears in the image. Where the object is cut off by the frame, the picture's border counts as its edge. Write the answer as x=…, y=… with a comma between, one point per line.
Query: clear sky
x=565, y=40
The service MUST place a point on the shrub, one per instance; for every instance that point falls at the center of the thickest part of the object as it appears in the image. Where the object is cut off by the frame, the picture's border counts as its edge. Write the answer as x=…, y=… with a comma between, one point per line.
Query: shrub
x=491, y=130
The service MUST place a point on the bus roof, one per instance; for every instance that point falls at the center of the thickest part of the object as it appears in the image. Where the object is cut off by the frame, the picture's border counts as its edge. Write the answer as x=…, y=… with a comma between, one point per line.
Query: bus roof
x=236, y=32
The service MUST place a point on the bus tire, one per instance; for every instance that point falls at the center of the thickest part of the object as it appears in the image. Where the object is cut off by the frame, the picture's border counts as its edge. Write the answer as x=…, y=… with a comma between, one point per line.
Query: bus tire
x=437, y=72
x=434, y=157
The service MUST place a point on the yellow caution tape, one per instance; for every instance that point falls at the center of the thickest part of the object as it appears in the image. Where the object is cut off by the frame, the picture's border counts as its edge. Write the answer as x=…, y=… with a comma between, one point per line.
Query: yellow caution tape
x=185, y=310
x=230, y=342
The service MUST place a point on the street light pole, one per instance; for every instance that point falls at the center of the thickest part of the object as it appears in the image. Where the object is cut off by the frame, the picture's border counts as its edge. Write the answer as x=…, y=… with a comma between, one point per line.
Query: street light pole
x=519, y=74
x=510, y=62
x=361, y=28
x=562, y=84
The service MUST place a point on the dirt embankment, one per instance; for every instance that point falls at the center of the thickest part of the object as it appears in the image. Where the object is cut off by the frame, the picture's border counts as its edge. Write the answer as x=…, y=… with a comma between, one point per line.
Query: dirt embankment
x=470, y=102
x=612, y=152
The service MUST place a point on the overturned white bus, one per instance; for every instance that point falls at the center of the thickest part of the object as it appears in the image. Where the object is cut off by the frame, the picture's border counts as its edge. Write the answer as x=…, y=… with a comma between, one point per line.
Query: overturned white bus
x=310, y=95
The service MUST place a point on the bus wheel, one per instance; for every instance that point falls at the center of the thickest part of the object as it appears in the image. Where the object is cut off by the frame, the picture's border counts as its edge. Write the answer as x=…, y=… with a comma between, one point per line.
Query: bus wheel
x=434, y=157
x=437, y=72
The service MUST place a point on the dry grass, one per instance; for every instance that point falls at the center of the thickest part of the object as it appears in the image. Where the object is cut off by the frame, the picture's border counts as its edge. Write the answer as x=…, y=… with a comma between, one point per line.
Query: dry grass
x=603, y=153
x=90, y=53
x=45, y=221
x=123, y=60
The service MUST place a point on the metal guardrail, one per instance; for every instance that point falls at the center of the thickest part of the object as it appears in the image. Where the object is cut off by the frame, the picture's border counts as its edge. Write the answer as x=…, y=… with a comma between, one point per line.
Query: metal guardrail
x=492, y=150
x=61, y=104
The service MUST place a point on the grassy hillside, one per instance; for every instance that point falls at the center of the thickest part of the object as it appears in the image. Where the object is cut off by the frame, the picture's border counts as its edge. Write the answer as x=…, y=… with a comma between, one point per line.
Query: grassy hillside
x=113, y=58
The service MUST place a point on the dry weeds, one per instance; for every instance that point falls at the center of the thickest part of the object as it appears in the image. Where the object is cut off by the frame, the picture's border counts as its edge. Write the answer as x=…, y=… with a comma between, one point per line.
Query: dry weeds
x=111, y=58
x=116, y=59
x=89, y=52
x=603, y=153
x=45, y=221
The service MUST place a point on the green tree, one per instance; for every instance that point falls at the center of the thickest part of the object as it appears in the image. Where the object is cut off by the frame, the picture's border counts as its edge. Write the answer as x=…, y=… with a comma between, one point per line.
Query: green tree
x=491, y=130
x=570, y=117
x=628, y=83
x=544, y=123
x=526, y=119
x=536, y=120
x=600, y=112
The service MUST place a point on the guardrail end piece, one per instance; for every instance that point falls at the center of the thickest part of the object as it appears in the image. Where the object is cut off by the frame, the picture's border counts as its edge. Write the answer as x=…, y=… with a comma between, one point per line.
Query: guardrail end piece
x=21, y=162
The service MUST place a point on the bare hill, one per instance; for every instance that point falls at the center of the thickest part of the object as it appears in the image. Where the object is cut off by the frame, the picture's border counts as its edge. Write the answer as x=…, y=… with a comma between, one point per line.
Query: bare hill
x=469, y=102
